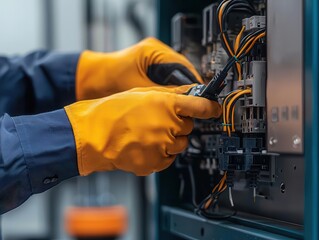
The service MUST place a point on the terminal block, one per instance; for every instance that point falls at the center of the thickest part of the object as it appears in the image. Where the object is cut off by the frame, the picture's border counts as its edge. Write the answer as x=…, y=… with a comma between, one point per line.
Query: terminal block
x=246, y=154
x=186, y=32
x=186, y=29
x=210, y=25
x=254, y=22
x=253, y=119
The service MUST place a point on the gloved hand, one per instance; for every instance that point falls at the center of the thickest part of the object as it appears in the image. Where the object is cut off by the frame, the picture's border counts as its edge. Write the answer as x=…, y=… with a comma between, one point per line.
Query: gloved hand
x=148, y=63
x=138, y=131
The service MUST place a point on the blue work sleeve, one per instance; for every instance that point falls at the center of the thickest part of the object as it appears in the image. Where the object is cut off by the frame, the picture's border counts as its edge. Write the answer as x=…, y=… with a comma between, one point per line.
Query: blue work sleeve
x=41, y=81
x=36, y=153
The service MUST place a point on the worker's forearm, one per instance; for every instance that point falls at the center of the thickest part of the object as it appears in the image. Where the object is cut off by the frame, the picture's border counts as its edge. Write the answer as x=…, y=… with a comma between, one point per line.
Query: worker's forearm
x=36, y=153
x=38, y=82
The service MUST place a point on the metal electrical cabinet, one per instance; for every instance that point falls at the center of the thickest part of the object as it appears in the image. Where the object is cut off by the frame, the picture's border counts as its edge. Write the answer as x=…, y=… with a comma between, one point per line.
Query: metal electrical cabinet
x=280, y=199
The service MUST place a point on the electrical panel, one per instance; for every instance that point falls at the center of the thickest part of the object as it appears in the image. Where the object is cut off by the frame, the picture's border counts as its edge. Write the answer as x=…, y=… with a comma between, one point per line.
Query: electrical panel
x=247, y=167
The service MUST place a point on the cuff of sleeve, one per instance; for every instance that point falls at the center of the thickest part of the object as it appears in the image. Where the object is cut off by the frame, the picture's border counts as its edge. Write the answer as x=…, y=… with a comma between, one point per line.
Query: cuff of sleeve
x=63, y=68
x=49, y=149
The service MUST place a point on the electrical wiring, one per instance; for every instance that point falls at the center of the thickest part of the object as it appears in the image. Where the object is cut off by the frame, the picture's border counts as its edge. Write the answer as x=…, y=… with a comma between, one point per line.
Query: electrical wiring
x=232, y=124
x=217, y=190
x=223, y=11
x=236, y=45
x=226, y=99
x=233, y=120
x=231, y=105
x=247, y=46
x=229, y=101
x=242, y=46
x=255, y=40
x=223, y=34
x=223, y=31
x=236, y=49
x=250, y=35
x=227, y=109
x=207, y=207
x=217, y=83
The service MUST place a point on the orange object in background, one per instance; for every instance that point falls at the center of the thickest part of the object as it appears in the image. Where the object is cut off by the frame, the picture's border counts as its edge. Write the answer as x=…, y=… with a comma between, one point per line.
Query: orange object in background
x=96, y=222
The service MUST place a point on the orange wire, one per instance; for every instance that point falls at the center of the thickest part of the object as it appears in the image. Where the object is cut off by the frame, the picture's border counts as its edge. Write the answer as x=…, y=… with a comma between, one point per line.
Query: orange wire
x=221, y=187
x=222, y=183
x=239, y=36
x=224, y=107
x=253, y=41
x=236, y=45
x=233, y=120
x=207, y=204
x=221, y=27
x=235, y=98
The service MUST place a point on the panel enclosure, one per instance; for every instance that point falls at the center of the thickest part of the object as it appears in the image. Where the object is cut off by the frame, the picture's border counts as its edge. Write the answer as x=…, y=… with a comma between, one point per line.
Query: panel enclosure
x=282, y=200
x=285, y=76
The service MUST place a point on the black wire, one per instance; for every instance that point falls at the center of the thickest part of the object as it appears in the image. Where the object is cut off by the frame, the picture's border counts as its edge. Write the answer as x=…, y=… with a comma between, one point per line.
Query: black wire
x=225, y=18
x=243, y=54
x=203, y=202
x=232, y=106
x=211, y=215
x=229, y=64
x=221, y=30
x=245, y=39
x=216, y=216
x=218, y=79
x=235, y=7
x=248, y=37
x=238, y=6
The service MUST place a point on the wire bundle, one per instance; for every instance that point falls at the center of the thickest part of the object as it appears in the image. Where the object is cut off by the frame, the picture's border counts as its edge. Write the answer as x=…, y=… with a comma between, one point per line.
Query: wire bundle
x=243, y=44
x=229, y=109
x=224, y=9
x=207, y=207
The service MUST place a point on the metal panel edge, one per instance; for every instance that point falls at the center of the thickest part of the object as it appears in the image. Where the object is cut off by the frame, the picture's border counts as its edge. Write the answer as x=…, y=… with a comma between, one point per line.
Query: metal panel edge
x=311, y=35
x=190, y=226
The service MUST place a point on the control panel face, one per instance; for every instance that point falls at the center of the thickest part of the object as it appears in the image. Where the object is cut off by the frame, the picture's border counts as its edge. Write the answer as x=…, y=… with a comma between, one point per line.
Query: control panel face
x=250, y=159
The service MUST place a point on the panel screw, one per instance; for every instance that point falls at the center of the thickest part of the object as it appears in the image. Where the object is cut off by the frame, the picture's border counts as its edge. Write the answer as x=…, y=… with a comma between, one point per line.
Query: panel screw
x=296, y=141
x=273, y=141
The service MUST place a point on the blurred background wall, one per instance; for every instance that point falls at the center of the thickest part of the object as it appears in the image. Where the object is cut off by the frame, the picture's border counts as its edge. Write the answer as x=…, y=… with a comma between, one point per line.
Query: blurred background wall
x=74, y=25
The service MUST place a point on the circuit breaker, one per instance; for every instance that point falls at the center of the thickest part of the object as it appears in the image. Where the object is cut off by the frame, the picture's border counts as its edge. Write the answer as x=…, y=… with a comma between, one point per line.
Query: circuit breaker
x=244, y=170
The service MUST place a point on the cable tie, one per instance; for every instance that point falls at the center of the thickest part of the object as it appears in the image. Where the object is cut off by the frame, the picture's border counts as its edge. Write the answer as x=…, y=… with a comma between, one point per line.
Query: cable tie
x=236, y=59
x=226, y=124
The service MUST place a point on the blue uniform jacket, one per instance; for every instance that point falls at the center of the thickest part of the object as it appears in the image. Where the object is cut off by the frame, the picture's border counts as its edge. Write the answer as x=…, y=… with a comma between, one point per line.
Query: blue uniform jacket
x=37, y=148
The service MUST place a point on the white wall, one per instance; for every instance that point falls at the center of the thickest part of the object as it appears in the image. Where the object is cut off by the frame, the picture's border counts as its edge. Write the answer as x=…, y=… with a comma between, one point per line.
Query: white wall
x=21, y=26
x=68, y=25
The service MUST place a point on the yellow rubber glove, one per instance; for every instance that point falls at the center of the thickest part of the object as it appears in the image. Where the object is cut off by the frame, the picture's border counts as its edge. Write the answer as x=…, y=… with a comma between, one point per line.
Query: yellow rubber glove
x=138, y=131
x=148, y=63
